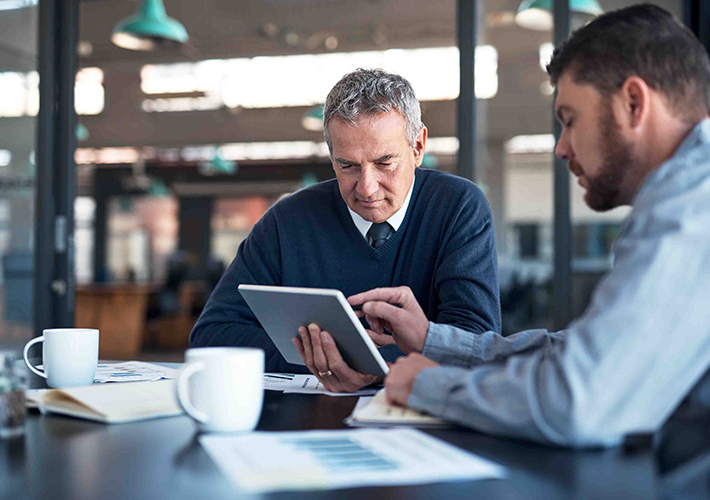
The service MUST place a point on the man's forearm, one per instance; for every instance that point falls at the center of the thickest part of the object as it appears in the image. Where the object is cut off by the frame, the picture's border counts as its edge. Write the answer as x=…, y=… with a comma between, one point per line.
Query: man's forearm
x=449, y=345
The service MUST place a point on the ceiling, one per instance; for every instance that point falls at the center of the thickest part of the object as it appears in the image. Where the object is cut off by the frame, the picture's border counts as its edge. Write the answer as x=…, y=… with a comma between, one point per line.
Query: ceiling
x=244, y=28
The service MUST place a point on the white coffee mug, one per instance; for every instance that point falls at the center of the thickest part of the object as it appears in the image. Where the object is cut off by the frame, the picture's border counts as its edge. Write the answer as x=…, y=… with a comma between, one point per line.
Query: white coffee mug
x=222, y=388
x=69, y=356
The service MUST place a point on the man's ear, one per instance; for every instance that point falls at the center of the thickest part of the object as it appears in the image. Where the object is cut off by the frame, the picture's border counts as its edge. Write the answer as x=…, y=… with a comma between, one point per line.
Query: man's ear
x=635, y=98
x=420, y=146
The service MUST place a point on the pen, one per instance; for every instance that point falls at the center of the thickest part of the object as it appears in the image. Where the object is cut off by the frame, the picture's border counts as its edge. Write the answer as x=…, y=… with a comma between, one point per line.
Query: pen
x=359, y=308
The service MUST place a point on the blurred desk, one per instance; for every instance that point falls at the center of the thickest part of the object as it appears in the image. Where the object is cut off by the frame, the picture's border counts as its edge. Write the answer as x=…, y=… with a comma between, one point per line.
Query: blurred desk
x=64, y=458
x=119, y=312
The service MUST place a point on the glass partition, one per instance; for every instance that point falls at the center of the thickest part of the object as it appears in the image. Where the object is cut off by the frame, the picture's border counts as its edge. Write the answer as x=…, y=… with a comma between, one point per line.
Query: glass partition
x=20, y=100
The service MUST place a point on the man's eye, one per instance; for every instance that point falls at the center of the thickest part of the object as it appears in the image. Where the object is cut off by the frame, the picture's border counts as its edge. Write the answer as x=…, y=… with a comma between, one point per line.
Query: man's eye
x=384, y=164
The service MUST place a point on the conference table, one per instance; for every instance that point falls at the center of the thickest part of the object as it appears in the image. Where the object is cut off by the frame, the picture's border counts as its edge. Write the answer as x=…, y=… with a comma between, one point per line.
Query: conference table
x=66, y=458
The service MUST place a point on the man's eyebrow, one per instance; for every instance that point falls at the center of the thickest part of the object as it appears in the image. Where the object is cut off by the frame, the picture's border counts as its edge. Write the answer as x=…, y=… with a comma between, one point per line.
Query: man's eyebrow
x=343, y=161
x=381, y=159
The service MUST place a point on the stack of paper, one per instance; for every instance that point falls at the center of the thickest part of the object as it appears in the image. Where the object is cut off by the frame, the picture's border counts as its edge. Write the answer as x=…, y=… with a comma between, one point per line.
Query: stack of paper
x=272, y=461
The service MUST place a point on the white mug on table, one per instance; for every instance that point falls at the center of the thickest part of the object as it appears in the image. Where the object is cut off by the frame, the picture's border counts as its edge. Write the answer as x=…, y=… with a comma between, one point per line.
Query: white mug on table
x=222, y=388
x=69, y=356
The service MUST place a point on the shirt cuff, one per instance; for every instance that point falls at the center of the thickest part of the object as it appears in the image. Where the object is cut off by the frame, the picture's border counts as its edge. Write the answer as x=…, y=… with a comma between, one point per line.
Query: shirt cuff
x=432, y=387
x=449, y=345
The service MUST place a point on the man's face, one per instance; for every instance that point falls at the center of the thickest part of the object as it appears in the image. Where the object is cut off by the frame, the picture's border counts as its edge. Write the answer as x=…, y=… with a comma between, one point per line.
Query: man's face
x=593, y=144
x=374, y=163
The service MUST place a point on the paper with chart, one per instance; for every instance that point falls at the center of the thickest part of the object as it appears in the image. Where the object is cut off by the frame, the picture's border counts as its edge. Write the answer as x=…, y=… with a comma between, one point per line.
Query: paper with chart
x=304, y=384
x=132, y=371
x=277, y=461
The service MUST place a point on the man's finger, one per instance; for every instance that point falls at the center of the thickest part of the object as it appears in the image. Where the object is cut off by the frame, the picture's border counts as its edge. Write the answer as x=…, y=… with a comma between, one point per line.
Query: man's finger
x=335, y=361
x=299, y=345
x=380, y=338
x=384, y=311
x=307, y=349
x=375, y=324
x=379, y=294
x=319, y=358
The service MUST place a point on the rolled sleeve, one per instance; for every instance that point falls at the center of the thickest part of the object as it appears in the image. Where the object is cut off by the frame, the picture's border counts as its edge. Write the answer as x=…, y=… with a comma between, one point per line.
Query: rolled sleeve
x=432, y=387
x=449, y=345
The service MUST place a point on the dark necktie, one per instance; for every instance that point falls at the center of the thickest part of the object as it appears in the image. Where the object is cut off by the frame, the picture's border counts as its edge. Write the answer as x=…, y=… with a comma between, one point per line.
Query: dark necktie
x=378, y=233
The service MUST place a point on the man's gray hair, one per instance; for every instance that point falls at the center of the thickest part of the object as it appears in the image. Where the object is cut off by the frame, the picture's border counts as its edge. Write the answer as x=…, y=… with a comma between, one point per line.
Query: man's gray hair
x=369, y=92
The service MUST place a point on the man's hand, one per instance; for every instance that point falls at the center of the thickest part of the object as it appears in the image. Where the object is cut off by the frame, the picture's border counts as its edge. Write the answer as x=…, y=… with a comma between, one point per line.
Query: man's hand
x=400, y=379
x=408, y=324
x=380, y=339
x=318, y=350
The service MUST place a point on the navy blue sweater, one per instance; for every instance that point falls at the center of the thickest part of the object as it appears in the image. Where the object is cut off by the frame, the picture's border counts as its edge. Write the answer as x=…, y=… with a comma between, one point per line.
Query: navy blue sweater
x=444, y=251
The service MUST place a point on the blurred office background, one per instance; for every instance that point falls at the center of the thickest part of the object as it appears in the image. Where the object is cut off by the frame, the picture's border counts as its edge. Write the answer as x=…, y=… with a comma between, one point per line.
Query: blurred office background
x=181, y=149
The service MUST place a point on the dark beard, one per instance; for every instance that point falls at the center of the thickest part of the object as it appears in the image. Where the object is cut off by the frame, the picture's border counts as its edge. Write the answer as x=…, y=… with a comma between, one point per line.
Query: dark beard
x=604, y=188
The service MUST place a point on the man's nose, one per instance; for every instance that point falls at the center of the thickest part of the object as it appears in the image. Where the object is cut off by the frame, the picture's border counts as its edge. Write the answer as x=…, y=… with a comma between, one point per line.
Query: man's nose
x=563, y=148
x=368, y=184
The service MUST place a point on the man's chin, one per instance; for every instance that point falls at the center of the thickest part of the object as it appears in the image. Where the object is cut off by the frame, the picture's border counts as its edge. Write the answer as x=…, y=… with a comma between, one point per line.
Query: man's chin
x=374, y=218
x=375, y=215
x=600, y=203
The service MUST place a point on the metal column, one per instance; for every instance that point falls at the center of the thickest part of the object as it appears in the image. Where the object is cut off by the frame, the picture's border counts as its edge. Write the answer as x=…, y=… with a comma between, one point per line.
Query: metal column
x=562, y=282
x=54, y=286
x=467, y=32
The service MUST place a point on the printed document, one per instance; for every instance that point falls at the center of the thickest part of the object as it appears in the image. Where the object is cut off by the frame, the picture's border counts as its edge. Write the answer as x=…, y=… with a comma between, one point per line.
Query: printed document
x=287, y=461
x=305, y=384
x=132, y=371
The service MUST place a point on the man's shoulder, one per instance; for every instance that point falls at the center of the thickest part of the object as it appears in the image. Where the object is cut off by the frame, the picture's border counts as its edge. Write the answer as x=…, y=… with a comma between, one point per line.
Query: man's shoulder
x=311, y=196
x=448, y=186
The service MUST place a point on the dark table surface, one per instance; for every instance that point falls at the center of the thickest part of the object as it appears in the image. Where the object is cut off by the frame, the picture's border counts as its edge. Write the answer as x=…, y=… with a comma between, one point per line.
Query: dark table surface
x=65, y=458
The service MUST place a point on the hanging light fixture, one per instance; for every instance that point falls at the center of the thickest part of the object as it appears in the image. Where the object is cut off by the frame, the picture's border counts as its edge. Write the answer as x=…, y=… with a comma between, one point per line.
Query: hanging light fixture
x=537, y=14
x=148, y=29
x=217, y=165
x=313, y=119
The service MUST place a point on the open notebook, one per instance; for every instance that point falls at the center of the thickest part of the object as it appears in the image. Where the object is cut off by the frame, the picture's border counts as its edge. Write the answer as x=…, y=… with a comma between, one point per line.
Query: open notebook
x=375, y=411
x=111, y=403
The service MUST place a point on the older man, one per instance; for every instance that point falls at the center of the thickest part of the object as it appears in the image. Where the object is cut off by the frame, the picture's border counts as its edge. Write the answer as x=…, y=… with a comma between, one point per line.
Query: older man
x=632, y=97
x=381, y=222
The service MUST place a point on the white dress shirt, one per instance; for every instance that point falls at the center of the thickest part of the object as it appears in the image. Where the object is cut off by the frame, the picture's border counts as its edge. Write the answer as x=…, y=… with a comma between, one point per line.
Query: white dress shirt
x=395, y=221
x=628, y=361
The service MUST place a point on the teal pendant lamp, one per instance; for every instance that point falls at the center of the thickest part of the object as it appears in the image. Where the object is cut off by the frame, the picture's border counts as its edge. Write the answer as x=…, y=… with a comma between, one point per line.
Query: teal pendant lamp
x=313, y=119
x=537, y=14
x=150, y=28
x=217, y=165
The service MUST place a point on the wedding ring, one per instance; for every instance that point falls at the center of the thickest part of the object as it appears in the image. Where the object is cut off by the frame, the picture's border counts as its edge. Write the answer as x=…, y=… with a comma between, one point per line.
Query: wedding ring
x=325, y=374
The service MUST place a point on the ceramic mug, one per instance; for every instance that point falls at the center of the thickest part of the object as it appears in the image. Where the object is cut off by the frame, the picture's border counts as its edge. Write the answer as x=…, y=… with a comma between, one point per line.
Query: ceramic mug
x=69, y=356
x=222, y=388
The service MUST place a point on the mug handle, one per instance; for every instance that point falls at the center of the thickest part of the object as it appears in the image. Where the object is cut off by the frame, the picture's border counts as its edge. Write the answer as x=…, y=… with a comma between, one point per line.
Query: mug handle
x=27, y=361
x=183, y=396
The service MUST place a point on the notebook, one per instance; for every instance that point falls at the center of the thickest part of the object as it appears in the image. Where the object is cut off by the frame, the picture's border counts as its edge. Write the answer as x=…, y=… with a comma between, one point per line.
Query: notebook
x=111, y=403
x=375, y=411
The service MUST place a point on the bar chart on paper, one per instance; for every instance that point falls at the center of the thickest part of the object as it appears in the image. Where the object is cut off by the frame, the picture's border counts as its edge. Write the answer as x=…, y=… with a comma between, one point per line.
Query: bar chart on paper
x=274, y=461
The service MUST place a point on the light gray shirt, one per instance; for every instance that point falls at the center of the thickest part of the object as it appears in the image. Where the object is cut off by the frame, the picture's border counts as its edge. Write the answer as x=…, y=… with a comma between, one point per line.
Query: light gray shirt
x=628, y=361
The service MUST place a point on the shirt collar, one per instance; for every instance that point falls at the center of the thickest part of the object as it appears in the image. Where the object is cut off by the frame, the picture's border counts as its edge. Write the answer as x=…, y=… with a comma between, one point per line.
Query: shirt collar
x=395, y=221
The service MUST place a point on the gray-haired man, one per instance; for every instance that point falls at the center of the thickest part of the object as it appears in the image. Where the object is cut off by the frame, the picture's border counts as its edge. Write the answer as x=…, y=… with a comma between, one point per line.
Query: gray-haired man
x=381, y=222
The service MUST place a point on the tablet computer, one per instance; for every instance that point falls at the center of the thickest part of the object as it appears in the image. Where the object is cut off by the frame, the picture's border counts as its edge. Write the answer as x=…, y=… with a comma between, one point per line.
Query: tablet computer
x=281, y=310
